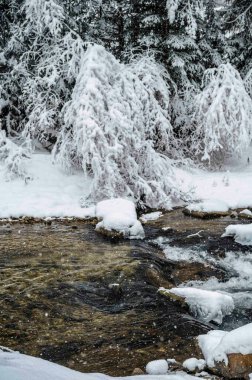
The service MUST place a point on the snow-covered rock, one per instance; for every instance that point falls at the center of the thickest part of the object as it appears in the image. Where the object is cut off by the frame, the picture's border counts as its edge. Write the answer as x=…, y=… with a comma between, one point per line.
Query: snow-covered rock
x=242, y=233
x=157, y=367
x=194, y=364
x=205, y=304
x=119, y=215
x=246, y=212
x=216, y=345
x=151, y=216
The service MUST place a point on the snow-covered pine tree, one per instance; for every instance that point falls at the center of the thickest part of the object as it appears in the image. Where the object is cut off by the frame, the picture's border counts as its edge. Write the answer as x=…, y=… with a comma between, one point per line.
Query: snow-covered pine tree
x=44, y=54
x=148, y=24
x=184, y=59
x=223, y=116
x=248, y=82
x=238, y=24
x=211, y=35
x=116, y=128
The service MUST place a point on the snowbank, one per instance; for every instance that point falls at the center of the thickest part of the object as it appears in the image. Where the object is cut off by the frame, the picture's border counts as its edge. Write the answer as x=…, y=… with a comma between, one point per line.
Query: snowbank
x=206, y=305
x=15, y=366
x=232, y=186
x=119, y=215
x=246, y=212
x=50, y=193
x=213, y=205
x=242, y=233
x=215, y=345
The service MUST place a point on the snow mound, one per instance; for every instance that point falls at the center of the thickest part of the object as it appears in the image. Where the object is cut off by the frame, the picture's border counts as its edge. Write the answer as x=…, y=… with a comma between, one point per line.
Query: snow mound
x=151, y=216
x=16, y=366
x=246, y=212
x=193, y=364
x=212, y=205
x=157, y=367
x=119, y=214
x=242, y=233
x=205, y=304
x=215, y=345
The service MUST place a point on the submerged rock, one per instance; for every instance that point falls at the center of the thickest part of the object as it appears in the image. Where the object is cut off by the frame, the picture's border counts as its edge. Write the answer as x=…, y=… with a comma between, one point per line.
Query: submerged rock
x=206, y=214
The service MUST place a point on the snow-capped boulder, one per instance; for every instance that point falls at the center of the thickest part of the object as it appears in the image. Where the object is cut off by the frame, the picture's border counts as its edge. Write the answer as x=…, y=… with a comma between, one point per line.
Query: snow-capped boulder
x=242, y=233
x=157, y=367
x=207, y=209
x=206, y=305
x=118, y=219
x=228, y=354
x=194, y=364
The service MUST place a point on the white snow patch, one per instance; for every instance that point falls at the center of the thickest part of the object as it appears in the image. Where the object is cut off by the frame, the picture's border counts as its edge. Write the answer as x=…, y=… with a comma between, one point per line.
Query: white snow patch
x=213, y=205
x=242, y=233
x=50, y=193
x=157, y=367
x=246, y=212
x=16, y=366
x=119, y=215
x=206, y=305
x=216, y=345
x=151, y=216
x=193, y=364
x=232, y=186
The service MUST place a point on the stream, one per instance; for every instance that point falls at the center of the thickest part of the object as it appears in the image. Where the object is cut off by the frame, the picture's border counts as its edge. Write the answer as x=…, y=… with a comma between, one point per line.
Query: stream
x=76, y=298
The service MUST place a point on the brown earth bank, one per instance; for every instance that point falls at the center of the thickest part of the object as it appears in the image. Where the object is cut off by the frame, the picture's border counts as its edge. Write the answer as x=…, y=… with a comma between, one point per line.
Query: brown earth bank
x=74, y=297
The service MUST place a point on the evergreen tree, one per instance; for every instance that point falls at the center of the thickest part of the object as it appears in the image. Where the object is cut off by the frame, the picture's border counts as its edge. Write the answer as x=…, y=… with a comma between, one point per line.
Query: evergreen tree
x=44, y=55
x=238, y=24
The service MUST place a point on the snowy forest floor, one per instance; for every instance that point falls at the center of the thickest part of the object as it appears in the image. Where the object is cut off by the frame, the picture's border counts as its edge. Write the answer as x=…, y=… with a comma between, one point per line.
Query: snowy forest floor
x=53, y=193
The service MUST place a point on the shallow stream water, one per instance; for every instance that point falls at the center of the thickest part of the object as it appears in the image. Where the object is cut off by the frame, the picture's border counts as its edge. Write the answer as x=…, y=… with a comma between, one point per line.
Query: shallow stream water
x=79, y=299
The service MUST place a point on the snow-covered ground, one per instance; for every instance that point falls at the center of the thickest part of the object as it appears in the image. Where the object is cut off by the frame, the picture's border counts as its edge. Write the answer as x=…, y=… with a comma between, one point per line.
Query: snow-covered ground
x=230, y=187
x=51, y=192
x=15, y=366
x=54, y=193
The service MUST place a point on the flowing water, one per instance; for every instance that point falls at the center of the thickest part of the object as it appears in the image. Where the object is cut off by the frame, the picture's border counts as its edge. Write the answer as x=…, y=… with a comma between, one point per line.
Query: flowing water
x=74, y=297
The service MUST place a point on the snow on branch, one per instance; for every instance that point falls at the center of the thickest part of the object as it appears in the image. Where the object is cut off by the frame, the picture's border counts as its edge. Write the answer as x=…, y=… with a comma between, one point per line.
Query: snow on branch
x=248, y=82
x=116, y=128
x=223, y=115
x=14, y=159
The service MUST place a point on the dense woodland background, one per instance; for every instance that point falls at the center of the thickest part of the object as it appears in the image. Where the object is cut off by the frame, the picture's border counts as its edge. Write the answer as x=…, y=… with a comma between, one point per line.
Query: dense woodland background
x=124, y=90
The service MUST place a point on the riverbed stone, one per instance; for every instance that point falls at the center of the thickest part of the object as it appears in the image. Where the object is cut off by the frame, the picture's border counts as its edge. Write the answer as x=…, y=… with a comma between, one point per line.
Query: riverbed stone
x=239, y=367
x=205, y=214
